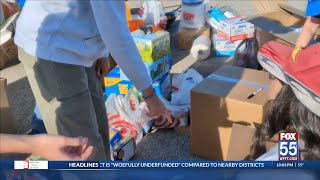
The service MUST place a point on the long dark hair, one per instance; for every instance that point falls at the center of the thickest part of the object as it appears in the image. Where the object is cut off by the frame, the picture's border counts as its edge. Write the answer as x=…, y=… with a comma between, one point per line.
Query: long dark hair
x=289, y=114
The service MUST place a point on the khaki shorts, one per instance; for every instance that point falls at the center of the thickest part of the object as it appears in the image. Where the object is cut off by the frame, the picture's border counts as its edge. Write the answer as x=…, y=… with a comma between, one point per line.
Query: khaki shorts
x=70, y=100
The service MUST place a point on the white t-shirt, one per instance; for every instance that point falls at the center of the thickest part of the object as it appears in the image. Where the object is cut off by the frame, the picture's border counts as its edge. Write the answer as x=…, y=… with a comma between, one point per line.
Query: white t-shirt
x=1, y=14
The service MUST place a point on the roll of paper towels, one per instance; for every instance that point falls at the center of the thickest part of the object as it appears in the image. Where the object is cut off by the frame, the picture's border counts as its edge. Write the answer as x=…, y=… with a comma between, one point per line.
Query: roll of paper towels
x=200, y=49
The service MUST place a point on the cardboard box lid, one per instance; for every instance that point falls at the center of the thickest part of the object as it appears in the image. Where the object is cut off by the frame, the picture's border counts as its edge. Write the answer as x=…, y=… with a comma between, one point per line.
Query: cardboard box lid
x=236, y=83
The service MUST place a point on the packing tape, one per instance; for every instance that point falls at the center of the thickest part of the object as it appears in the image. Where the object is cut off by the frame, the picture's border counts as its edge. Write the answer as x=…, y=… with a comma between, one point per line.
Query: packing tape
x=238, y=81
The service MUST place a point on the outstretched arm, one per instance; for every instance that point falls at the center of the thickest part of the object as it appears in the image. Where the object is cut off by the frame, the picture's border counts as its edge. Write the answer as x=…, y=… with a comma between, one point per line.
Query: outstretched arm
x=51, y=147
x=309, y=29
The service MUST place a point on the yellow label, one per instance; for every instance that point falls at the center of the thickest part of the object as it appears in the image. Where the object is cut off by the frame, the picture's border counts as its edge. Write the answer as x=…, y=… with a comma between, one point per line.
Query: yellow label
x=111, y=133
x=123, y=88
x=111, y=81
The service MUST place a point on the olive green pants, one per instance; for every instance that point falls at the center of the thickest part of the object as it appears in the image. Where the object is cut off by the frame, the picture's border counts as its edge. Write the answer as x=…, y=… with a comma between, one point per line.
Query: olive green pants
x=70, y=101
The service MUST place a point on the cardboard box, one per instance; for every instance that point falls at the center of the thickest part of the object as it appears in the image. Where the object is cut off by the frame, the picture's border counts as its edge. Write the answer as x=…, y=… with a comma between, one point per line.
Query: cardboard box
x=117, y=82
x=115, y=137
x=114, y=84
x=235, y=29
x=240, y=142
x=152, y=46
x=7, y=120
x=187, y=36
x=219, y=101
x=214, y=16
x=124, y=151
x=158, y=71
x=223, y=47
x=8, y=54
x=275, y=26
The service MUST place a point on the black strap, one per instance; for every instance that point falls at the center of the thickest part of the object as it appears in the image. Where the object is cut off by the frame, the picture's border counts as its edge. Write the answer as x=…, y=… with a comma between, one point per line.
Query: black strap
x=146, y=29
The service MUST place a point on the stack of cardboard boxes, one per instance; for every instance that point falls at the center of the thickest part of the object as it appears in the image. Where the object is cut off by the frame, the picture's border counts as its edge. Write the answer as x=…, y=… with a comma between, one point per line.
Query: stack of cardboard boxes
x=154, y=49
x=223, y=118
x=228, y=33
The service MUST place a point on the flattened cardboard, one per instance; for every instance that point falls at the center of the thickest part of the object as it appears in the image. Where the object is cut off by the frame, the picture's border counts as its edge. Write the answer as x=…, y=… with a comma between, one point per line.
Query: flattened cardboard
x=276, y=26
x=217, y=104
x=7, y=121
x=293, y=10
x=240, y=142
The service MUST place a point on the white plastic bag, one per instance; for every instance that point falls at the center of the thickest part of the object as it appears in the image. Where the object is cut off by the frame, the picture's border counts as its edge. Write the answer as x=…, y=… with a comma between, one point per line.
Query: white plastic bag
x=179, y=113
x=183, y=83
x=152, y=12
x=114, y=106
x=111, y=104
x=132, y=110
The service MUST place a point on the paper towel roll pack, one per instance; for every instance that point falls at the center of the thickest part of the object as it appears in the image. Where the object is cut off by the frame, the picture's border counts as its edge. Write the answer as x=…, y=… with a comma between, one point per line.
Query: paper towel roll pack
x=200, y=49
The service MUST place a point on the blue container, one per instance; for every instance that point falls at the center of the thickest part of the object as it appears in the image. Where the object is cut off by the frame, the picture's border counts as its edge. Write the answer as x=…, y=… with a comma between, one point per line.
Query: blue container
x=190, y=2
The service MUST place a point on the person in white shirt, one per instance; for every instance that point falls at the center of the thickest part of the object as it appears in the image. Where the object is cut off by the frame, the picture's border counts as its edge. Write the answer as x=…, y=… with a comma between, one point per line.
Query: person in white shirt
x=63, y=46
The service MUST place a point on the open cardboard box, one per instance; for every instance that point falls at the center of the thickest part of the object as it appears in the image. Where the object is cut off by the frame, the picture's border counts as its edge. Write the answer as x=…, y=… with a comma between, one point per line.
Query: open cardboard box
x=276, y=22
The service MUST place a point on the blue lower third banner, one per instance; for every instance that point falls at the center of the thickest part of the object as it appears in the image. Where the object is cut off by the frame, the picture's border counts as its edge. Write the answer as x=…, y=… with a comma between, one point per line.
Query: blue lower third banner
x=111, y=165
x=175, y=170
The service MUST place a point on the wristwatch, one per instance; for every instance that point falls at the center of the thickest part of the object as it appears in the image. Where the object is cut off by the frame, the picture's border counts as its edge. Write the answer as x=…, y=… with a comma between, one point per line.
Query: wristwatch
x=149, y=96
x=295, y=53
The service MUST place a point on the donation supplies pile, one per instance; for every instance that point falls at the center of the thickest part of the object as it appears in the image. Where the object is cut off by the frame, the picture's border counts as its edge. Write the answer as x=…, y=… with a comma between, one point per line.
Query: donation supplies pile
x=232, y=36
x=219, y=112
x=126, y=109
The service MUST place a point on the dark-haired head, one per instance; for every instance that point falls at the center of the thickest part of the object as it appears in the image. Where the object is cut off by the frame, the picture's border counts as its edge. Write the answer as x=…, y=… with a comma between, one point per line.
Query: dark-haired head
x=288, y=114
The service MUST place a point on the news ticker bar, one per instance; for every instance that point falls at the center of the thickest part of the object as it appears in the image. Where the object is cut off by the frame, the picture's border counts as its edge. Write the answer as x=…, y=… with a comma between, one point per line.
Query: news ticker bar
x=161, y=164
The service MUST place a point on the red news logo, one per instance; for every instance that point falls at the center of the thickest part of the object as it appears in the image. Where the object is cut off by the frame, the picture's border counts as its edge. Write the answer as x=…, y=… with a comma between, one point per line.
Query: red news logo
x=288, y=136
x=288, y=147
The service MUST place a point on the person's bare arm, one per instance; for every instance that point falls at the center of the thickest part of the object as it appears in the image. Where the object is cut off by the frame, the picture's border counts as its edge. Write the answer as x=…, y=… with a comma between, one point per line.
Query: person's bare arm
x=51, y=147
x=309, y=29
x=113, y=63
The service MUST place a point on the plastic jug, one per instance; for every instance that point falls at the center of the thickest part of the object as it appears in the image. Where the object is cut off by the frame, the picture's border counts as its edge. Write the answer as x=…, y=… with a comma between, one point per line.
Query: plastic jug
x=193, y=14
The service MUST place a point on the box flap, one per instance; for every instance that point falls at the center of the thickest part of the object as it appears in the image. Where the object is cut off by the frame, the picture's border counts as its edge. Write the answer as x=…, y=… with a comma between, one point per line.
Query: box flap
x=7, y=121
x=293, y=10
x=278, y=23
x=240, y=142
x=236, y=83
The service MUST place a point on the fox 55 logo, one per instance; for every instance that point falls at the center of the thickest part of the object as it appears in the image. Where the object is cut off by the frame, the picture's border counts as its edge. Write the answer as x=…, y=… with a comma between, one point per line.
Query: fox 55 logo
x=288, y=147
